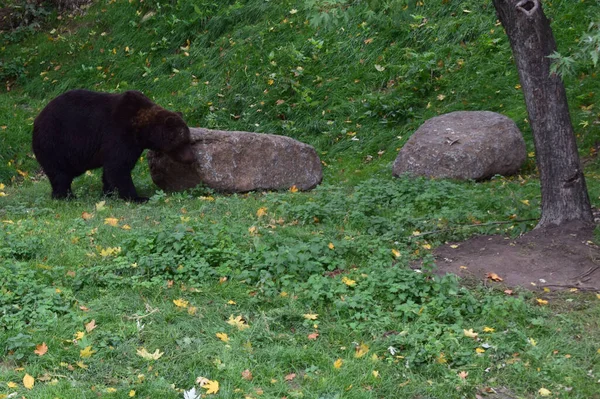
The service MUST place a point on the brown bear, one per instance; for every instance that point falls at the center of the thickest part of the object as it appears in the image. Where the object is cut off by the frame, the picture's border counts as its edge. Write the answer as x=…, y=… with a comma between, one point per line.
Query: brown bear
x=82, y=130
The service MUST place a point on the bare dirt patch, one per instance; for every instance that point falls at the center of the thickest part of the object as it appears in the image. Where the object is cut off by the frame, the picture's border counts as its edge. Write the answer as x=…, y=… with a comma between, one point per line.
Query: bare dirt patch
x=557, y=258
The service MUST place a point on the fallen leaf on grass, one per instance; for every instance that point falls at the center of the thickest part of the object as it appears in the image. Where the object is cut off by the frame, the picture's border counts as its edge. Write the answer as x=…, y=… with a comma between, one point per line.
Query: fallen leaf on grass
x=310, y=316
x=463, y=375
x=11, y=384
x=261, y=212
x=313, y=336
x=338, y=363
x=247, y=375
x=41, y=349
x=544, y=392
x=111, y=222
x=86, y=352
x=361, y=350
x=149, y=356
x=470, y=333
x=87, y=216
x=290, y=377
x=541, y=301
x=237, y=322
x=131, y=393
x=90, y=326
x=180, y=303
x=223, y=337
x=211, y=387
x=348, y=282
x=28, y=381
x=488, y=329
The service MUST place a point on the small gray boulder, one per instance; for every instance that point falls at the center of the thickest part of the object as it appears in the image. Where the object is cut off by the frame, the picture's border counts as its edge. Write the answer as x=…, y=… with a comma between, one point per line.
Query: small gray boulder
x=463, y=145
x=237, y=162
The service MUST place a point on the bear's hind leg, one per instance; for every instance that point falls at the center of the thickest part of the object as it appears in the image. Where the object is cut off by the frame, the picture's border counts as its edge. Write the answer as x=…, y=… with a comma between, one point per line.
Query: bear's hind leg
x=61, y=186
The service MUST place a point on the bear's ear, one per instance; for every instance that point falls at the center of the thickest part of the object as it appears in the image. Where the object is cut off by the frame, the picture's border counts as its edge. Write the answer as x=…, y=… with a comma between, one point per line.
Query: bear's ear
x=129, y=105
x=171, y=122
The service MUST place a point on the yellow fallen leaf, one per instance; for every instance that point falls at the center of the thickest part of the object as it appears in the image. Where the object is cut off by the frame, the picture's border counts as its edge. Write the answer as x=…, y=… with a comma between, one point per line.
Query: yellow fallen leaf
x=348, y=282
x=149, y=356
x=126, y=227
x=131, y=393
x=361, y=350
x=79, y=335
x=211, y=387
x=11, y=384
x=544, y=392
x=293, y=189
x=453, y=246
x=100, y=205
x=338, y=363
x=532, y=342
x=180, y=303
x=441, y=359
x=223, y=337
x=261, y=212
x=82, y=365
x=526, y=202
x=111, y=221
x=331, y=246
x=489, y=329
x=237, y=322
x=541, y=301
x=310, y=316
x=469, y=333
x=111, y=390
x=396, y=253
x=479, y=350
x=426, y=246
x=375, y=373
x=86, y=352
x=28, y=381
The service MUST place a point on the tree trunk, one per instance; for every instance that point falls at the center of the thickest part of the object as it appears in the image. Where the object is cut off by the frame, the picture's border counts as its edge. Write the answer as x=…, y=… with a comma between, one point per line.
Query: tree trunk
x=564, y=192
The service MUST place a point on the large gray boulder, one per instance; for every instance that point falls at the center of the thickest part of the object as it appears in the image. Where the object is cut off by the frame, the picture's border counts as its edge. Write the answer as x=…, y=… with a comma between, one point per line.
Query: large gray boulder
x=237, y=162
x=463, y=145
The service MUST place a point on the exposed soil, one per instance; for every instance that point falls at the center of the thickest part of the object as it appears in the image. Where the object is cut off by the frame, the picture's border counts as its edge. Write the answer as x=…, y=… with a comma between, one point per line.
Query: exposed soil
x=557, y=258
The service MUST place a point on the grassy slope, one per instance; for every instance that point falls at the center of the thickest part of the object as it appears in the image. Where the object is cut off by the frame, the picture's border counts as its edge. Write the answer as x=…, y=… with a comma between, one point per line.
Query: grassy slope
x=227, y=65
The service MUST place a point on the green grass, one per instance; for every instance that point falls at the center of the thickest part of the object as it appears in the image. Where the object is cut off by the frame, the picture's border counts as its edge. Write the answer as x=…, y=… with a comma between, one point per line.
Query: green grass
x=370, y=70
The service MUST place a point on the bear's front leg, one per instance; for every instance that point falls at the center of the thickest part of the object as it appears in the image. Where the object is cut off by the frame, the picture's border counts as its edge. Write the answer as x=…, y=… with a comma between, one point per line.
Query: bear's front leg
x=119, y=176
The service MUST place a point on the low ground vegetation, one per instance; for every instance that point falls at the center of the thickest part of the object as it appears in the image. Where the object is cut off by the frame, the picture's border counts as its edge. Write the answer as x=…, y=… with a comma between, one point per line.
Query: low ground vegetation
x=282, y=294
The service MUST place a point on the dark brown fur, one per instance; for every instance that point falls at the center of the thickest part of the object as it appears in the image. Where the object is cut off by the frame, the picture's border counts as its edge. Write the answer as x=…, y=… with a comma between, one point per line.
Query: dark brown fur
x=82, y=130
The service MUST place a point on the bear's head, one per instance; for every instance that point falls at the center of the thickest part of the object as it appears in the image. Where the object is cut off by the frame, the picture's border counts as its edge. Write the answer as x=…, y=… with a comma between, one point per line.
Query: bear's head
x=164, y=131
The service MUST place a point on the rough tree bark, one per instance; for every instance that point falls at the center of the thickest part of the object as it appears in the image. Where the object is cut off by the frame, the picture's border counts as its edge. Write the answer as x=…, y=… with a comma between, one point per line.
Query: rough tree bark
x=564, y=192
